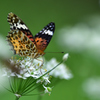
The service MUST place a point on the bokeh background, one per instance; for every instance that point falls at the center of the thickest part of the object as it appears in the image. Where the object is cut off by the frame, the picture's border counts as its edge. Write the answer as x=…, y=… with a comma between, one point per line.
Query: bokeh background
x=77, y=32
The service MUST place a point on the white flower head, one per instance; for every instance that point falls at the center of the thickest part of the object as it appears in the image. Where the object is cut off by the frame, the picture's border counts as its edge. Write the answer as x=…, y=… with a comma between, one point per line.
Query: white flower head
x=27, y=68
x=62, y=71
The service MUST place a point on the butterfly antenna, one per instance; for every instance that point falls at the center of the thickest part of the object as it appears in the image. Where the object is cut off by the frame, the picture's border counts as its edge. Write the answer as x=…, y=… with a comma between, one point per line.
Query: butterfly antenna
x=54, y=52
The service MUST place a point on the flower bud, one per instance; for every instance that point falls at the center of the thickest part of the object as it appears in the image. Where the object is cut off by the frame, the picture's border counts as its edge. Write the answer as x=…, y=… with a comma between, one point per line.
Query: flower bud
x=65, y=57
x=47, y=89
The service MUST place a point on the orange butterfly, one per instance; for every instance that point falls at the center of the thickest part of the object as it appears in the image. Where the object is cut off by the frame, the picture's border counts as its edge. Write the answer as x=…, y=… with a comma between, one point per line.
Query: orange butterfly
x=22, y=40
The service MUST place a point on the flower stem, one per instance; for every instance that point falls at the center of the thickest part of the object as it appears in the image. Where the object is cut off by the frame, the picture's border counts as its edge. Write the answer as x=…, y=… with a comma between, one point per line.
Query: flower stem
x=17, y=98
x=39, y=97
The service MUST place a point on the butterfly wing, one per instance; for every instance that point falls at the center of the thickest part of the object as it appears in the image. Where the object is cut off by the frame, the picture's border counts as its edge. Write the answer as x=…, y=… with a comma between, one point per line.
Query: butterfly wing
x=17, y=24
x=43, y=38
x=22, y=45
x=20, y=37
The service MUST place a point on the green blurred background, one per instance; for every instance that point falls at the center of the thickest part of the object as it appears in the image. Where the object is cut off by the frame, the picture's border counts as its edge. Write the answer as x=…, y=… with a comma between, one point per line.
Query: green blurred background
x=84, y=63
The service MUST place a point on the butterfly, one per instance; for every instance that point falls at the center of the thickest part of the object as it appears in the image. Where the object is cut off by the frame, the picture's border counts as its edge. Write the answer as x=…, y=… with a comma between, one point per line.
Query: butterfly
x=23, y=42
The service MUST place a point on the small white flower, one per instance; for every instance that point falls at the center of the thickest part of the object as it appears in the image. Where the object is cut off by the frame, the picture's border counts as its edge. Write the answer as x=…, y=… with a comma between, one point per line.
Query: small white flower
x=46, y=80
x=47, y=89
x=18, y=95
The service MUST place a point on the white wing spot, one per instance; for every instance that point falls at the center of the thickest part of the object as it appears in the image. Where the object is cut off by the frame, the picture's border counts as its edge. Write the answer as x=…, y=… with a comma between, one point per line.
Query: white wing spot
x=14, y=24
x=19, y=21
x=13, y=18
x=48, y=32
x=11, y=27
x=21, y=26
x=50, y=26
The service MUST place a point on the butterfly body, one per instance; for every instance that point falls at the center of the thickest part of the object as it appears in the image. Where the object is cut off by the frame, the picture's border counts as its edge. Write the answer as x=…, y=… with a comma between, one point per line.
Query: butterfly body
x=22, y=40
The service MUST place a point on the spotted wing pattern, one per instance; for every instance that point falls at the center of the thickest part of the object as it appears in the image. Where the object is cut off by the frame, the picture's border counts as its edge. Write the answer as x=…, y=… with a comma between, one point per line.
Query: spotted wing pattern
x=17, y=24
x=21, y=44
x=22, y=40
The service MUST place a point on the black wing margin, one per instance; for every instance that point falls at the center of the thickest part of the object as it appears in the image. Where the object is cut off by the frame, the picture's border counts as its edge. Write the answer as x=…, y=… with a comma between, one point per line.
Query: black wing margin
x=47, y=32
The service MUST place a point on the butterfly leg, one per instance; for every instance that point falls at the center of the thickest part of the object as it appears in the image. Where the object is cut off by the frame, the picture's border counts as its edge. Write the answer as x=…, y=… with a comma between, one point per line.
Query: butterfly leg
x=41, y=64
x=31, y=62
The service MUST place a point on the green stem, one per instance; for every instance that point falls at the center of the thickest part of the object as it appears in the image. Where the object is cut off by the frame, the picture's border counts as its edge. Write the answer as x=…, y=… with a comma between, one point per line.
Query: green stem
x=40, y=97
x=17, y=98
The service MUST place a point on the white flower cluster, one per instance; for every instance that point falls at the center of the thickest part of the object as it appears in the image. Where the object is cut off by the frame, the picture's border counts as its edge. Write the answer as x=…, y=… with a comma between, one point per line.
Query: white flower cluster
x=29, y=68
x=61, y=72
x=84, y=36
